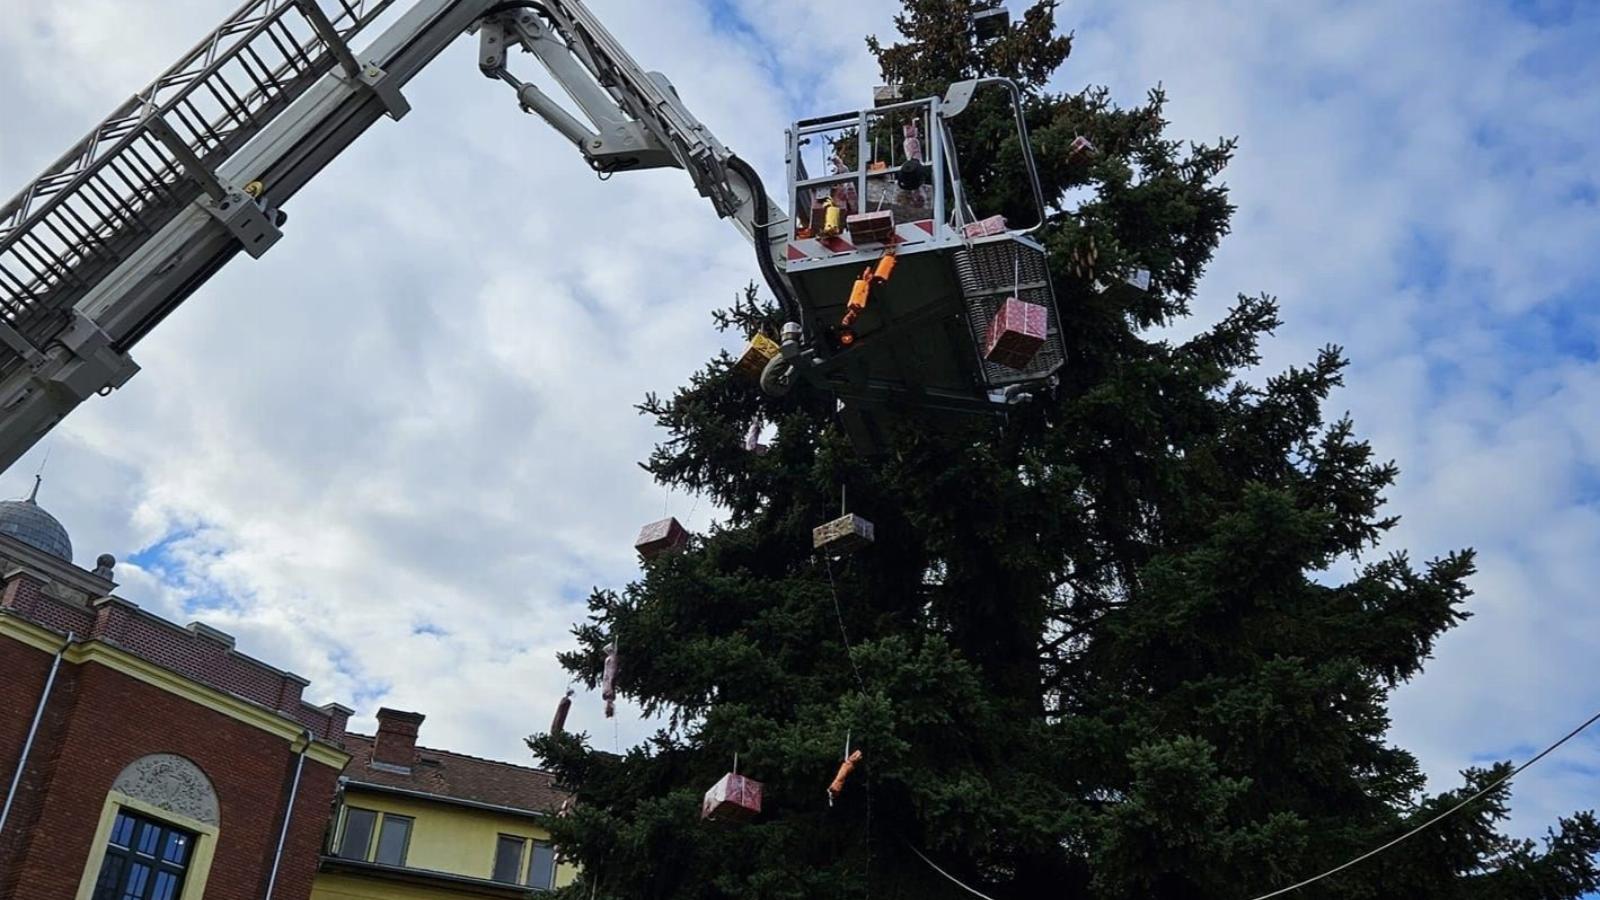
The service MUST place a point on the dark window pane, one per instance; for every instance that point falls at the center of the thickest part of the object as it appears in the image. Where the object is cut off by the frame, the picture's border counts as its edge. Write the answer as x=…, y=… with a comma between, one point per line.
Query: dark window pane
x=176, y=848
x=124, y=875
x=134, y=887
x=542, y=870
x=357, y=833
x=508, y=859
x=122, y=831
x=149, y=834
x=105, y=887
x=392, y=840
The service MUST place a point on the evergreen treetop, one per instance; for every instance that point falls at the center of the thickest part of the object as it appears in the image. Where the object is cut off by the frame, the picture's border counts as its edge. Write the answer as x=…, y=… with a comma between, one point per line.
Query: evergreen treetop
x=1101, y=650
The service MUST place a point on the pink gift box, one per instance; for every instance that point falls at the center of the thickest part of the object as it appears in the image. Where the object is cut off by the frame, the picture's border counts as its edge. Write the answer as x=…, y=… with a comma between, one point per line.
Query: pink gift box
x=660, y=537
x=871, y=227
x=985, y=227
x=1016, y=334
x=733, y=799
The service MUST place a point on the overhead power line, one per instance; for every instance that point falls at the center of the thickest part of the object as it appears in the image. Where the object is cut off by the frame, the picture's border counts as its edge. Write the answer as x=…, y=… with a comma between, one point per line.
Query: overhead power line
x=1436, y=819
x=1370, y=853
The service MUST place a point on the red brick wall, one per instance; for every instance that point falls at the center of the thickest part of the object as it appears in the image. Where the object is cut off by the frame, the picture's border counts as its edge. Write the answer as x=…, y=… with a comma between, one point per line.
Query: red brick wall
x=198, y=657
x=97, y=722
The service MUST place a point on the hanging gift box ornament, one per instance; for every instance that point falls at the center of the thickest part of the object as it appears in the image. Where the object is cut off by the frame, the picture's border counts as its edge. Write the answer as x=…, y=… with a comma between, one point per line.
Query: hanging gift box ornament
x=985, y=227
x=1080, y=145
x=871, y=227
x=752, y=439
x=760, y=351
x=735, y=798
x=912, y=131
x=1016, y=333
x=842, y=535
x=608, y=680
x=661, y=537
x=1138, y=282
x=558, y=725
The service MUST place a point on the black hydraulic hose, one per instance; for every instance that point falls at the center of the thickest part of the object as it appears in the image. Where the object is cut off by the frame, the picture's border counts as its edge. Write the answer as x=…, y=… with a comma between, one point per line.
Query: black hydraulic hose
x=769, y=269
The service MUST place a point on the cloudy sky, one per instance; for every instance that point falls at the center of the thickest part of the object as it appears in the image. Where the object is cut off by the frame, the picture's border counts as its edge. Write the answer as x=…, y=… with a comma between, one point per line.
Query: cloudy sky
x=394, y=454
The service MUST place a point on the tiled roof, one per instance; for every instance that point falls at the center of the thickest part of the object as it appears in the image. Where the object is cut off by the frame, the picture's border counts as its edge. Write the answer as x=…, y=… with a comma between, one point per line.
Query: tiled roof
x=458, y=776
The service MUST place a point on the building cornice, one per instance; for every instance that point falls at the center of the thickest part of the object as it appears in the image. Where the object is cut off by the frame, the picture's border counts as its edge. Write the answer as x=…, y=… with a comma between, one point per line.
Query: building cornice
x=47, y=567
x=102, y=653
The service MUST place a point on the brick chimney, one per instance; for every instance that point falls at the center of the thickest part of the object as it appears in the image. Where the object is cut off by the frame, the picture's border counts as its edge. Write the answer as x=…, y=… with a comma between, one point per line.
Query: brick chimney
x=396, y=743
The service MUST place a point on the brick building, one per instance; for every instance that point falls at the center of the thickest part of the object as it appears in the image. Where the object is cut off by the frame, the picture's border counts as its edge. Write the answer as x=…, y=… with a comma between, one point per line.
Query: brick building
x=156, y=761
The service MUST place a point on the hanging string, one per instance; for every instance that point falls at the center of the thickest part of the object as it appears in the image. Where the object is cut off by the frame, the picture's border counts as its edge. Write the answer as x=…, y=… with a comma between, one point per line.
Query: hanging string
x=954, y=880
x=838, y=612
x=861, y=685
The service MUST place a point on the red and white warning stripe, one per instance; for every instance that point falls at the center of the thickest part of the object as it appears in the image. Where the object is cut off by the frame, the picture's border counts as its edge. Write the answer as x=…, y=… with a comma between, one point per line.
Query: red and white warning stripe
x=827, y=247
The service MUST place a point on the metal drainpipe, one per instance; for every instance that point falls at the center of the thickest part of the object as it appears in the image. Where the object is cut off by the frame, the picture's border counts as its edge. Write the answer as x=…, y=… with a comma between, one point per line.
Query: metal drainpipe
x=33, y=730
x=288, y=810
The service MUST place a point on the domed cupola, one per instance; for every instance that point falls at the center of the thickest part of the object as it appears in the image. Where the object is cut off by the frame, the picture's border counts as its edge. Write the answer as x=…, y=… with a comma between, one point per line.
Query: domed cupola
x=26, y=521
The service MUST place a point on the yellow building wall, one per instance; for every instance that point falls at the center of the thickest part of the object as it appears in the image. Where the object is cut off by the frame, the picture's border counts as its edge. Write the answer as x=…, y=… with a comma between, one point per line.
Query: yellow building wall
x=444, y=838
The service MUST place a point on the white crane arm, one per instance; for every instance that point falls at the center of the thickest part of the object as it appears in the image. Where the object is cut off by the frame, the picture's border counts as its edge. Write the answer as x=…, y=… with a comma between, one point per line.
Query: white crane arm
x=197, y=166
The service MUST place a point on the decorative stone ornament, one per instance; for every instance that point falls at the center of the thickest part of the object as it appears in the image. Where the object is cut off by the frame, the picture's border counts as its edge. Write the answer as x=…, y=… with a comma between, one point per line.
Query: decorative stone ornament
x=842, y=535
x=172, y=783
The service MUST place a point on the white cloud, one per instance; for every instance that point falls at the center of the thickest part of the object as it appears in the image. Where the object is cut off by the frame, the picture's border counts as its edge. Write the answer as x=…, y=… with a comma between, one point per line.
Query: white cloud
x=1405, y=184
x=417, y=409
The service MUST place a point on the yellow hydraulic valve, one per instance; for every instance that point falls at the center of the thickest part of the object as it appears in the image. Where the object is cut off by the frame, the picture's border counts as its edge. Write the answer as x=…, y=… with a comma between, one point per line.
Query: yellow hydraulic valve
x=862, y=289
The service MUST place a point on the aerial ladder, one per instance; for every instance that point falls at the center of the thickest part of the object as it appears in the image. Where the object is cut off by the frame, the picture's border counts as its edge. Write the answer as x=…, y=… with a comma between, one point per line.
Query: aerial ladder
x=200, y=164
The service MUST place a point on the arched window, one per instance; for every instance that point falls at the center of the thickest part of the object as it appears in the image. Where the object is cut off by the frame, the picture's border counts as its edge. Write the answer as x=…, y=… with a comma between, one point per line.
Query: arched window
x=157, y=833
x=144, y=860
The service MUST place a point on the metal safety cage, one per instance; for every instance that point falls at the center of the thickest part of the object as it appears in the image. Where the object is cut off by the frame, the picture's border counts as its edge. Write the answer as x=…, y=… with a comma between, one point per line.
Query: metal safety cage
x=920, y=340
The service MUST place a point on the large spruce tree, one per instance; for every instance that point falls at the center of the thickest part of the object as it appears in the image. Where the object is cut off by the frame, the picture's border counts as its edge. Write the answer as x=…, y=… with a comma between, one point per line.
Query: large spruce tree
x=1100, y=650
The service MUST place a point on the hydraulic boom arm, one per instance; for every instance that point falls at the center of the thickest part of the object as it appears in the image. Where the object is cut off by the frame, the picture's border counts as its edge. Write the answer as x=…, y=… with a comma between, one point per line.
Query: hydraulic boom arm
x=197, y=166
